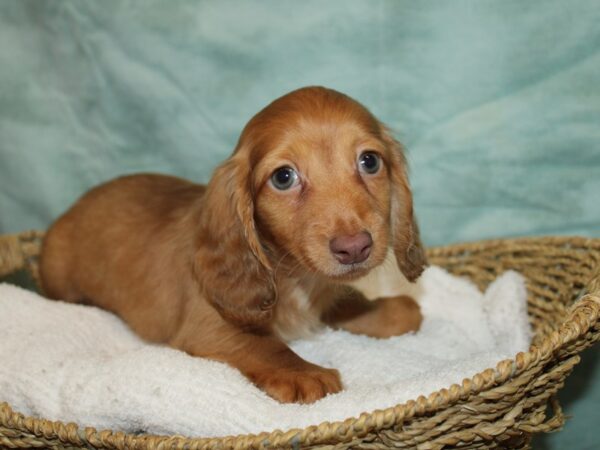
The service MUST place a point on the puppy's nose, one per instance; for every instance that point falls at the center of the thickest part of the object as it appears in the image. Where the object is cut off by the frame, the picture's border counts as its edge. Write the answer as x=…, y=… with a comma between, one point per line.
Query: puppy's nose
x=351, y=249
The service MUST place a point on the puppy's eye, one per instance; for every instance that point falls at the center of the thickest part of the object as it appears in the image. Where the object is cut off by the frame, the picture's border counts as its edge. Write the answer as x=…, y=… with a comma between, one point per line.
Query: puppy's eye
x=284, y=178
x=369, y=162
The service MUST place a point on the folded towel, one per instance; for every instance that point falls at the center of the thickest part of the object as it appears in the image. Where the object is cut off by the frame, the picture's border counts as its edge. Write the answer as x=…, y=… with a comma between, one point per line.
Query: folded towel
x=77, y=363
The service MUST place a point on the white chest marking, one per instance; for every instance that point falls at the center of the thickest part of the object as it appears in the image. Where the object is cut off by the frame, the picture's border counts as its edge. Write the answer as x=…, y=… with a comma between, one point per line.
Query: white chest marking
x=296, y=317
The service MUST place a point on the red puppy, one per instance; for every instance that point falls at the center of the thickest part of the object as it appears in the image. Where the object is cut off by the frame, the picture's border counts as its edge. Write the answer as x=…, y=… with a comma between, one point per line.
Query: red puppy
x=312, y=198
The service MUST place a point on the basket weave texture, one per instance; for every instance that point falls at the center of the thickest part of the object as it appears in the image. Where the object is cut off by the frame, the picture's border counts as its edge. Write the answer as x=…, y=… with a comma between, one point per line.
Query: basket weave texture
x=501, y=407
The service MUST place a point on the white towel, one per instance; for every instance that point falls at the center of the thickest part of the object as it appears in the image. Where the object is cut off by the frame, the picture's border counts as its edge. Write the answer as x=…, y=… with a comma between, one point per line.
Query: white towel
x=77, y=363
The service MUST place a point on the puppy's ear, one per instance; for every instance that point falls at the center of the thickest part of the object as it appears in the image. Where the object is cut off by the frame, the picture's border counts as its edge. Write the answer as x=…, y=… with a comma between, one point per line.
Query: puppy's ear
x=231, y=266
x=408, y=249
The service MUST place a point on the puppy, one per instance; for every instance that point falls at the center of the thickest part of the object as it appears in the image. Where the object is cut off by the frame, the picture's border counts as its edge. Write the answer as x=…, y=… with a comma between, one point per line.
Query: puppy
x=313, y=197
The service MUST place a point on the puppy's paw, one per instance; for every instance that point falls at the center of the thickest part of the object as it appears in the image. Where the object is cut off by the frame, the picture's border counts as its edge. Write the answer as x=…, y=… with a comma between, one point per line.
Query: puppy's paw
x=398, y=315
x=299, y=386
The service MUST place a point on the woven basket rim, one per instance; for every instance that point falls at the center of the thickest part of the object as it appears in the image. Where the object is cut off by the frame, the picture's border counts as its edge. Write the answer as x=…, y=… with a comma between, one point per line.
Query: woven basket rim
x=584, y=313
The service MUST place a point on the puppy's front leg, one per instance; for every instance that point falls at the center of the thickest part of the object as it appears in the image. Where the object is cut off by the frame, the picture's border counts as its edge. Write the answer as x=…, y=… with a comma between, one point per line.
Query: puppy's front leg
x=281, y=373
x=266, y=361
x=380, y=318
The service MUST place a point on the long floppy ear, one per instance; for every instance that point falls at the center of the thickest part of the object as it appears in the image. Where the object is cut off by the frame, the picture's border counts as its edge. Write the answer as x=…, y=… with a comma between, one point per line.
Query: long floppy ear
x=410, y=254
x=231, y=266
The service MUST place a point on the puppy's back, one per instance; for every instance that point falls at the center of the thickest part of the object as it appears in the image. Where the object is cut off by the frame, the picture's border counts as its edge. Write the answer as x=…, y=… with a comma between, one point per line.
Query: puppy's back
x=119, y=243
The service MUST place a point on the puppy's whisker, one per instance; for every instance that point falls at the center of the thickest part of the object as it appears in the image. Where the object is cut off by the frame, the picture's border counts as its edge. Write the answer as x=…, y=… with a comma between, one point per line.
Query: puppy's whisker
x=293, y=268
x=280, y=261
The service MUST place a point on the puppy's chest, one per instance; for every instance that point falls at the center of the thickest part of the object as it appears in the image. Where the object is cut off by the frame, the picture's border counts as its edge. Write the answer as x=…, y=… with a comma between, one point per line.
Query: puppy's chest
x=298, y=313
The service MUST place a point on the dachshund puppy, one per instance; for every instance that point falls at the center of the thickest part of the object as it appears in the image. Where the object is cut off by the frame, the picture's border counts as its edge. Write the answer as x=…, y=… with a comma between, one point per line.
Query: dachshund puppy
x=313, y=198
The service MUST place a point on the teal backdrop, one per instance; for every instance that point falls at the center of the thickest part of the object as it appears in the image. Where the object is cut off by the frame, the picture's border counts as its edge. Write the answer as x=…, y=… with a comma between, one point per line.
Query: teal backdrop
x=497, y=102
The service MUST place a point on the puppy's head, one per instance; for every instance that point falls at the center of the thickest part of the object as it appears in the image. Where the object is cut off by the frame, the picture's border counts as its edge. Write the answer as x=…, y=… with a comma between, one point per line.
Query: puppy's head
x=316, y=184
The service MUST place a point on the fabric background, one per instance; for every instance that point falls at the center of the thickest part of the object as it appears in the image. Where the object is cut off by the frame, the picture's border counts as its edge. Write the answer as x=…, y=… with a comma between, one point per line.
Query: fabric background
x=497, y=102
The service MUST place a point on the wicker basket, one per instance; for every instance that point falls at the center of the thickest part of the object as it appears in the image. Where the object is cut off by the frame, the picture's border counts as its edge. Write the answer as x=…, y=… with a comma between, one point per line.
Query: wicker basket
x=501, y=407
